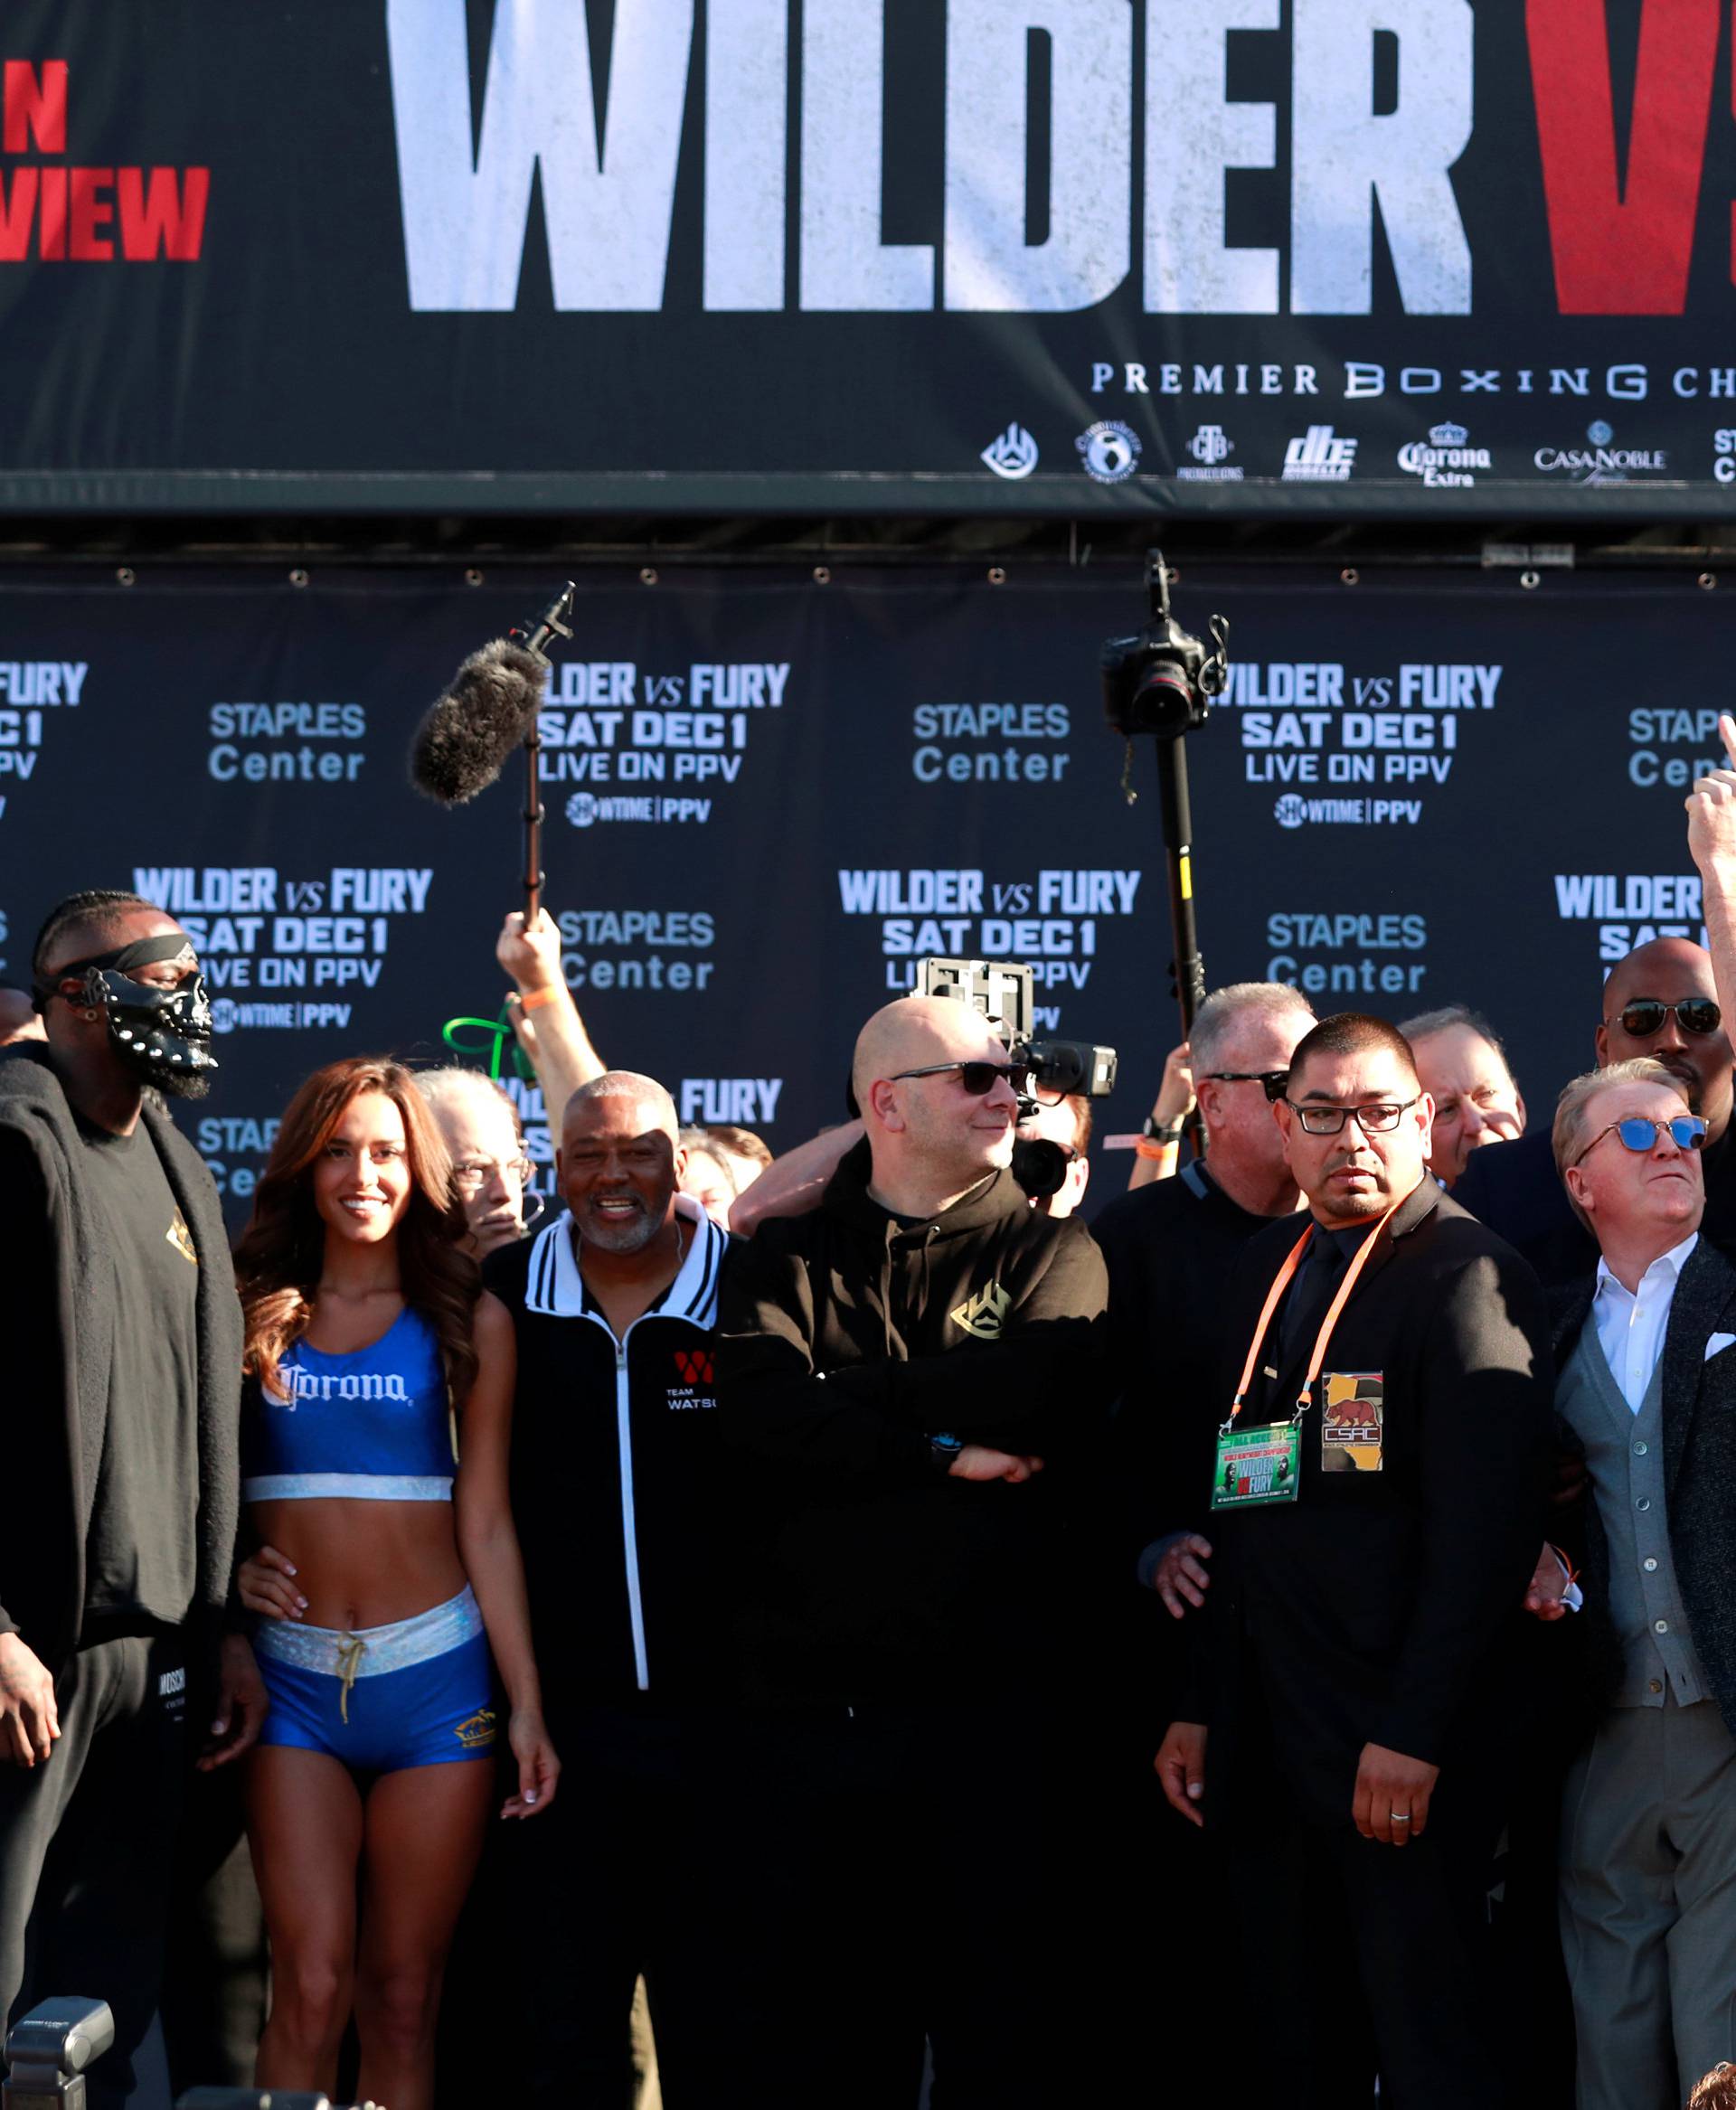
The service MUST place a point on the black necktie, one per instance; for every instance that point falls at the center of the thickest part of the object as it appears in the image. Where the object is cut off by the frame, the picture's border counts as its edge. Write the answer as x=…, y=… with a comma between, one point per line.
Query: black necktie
x=1313, y=1288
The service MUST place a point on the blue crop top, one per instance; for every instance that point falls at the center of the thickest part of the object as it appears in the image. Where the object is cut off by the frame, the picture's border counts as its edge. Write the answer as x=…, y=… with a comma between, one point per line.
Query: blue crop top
x=373, y=1426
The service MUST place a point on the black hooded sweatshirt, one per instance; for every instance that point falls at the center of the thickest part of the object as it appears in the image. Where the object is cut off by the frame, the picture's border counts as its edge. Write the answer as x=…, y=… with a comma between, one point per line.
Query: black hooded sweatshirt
x=848, y=1338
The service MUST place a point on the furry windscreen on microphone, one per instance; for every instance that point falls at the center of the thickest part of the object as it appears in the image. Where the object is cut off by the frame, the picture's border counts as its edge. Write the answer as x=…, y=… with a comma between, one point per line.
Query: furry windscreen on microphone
x=463, y=743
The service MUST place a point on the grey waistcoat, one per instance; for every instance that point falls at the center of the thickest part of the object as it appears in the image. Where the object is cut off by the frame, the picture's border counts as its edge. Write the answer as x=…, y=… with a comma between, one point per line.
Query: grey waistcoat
x=1624, y=1454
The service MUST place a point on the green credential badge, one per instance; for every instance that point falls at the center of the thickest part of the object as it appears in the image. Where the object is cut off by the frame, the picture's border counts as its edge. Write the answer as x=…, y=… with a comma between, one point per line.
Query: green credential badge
x=1257, y=1465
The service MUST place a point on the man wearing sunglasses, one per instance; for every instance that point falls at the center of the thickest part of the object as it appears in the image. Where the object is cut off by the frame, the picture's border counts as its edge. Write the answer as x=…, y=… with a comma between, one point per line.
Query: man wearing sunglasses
x=1352, y=1671
x=911, y=1374
x=1661, y=1002
x=1646, y=1352
x=1171, y=1245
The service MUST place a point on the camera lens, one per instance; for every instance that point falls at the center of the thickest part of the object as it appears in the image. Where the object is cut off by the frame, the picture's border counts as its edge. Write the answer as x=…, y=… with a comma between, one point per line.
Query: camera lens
x=1164, y=699
x=1040, y=1167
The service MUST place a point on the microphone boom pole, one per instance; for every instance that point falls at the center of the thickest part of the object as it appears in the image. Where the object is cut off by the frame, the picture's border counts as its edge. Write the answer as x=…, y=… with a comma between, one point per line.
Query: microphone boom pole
x=1161, y=681
x=552, y=623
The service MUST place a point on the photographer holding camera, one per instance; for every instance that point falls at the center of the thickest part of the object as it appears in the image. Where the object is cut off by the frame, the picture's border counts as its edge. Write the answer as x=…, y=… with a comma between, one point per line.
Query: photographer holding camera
x=912, y=1373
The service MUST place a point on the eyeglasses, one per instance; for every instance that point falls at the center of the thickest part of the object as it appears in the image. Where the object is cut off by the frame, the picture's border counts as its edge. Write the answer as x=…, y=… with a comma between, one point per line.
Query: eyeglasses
x=474, y=1176
x=1645, y=1015
x=1272, y=1081
x=1639, y=1133
x=1379, y=1119
x=976, y=1078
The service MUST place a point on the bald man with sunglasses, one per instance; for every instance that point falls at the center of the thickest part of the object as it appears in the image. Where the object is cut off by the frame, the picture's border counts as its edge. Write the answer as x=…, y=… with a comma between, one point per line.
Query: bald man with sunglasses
x=1669, y=1000
x=1646, y=1354
x=913, y=1374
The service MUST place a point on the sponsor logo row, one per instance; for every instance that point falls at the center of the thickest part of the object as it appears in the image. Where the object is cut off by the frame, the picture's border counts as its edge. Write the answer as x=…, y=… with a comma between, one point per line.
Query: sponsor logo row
x=1109, y=452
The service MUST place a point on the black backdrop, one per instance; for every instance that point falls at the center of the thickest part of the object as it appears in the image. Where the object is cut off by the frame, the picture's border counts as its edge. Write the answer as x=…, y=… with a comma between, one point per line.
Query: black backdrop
x=1420, y=789
x=1310, y=257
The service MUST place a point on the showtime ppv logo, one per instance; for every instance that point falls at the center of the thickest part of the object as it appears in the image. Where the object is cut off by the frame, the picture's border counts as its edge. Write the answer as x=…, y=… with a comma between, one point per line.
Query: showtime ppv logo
x=608, y=168
x=81, y=215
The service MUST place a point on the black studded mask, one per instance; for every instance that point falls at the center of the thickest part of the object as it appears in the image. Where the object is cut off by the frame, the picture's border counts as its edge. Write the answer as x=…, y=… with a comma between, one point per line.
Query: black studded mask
x=164, y=1032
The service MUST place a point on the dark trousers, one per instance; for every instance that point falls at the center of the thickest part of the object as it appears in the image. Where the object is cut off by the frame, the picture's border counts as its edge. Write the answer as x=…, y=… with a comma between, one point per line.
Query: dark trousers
x=639, y=1867
x=87, y=1845
x=1365, y=1956
x=914, y=1856
x=215, y=1977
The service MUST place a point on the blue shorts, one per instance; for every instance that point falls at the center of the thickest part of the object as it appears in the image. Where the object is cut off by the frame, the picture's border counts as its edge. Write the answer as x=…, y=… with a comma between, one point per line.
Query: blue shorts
x=417, y=1692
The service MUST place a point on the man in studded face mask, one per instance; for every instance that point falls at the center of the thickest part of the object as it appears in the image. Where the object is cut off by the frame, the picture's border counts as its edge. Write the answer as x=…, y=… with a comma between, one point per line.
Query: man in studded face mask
x=144, y=1002
x=117, y=1446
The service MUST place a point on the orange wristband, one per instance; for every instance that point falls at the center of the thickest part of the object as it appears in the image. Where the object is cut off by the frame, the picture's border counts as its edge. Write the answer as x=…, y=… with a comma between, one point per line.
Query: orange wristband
x=1145, y=1147
x=538, y=997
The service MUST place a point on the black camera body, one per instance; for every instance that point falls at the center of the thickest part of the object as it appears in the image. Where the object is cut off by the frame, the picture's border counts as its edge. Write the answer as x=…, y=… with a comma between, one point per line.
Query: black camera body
x=1161, y=680
x=1004, y=992
x=1062, y=1068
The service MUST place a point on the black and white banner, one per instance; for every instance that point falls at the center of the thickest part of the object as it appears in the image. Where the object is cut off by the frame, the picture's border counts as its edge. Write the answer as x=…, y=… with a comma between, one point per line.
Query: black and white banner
x=769, y=796
x=1439, y=258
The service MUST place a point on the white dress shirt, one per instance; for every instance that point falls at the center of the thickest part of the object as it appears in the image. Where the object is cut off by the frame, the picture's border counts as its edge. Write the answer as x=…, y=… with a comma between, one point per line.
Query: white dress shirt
x=1630, y=1329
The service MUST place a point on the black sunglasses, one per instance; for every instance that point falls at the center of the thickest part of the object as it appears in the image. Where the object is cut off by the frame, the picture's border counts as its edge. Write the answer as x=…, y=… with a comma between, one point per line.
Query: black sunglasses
x=1274, y=1082
x=1645, y=1015
x=976, y=1078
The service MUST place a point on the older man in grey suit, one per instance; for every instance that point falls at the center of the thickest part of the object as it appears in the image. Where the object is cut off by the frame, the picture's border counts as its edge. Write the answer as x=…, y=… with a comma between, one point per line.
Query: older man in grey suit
x=1648, y=1386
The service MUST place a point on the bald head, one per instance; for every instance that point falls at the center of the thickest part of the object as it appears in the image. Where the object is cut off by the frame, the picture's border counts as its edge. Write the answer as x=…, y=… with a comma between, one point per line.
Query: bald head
x=1664, y=975
x=929, y=1138
x=918, y=1030
x=655, y=1107
x=1663, y=960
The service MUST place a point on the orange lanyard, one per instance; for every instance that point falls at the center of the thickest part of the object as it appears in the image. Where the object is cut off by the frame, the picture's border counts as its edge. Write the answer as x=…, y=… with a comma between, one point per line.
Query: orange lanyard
x=1293, y=1260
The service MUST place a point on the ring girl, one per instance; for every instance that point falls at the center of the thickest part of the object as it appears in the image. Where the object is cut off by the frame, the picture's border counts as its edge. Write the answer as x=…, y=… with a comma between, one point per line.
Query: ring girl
x=374, y=1452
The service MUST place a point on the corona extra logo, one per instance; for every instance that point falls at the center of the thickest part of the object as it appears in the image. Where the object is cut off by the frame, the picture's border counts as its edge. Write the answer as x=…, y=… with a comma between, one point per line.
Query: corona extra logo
x=476, y=1729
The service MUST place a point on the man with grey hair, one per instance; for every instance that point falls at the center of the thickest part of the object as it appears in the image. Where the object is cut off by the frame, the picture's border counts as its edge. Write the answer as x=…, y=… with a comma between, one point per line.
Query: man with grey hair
x=1647, y=1383
x=490, y=1171
x=616, y=1473
x=1159, y=1146
x=1170, y=1247
x=1463, y=1067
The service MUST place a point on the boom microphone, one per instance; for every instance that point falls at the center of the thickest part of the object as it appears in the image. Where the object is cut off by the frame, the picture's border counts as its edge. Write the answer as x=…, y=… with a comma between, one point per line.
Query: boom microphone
x=490, y=709
x=489, y=705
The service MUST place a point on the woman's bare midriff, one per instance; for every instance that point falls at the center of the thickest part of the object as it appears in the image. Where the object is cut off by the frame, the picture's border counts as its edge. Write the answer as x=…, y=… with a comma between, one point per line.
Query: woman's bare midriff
x=364, y=1563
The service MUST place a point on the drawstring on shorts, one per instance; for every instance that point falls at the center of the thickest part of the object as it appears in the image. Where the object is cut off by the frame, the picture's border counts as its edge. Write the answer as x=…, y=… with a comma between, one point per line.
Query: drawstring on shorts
x=349, y=1662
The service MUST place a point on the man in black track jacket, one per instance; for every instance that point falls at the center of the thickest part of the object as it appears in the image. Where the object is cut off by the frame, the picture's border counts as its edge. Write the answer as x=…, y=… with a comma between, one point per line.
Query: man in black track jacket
x=617, y=1501
x=912, y=1373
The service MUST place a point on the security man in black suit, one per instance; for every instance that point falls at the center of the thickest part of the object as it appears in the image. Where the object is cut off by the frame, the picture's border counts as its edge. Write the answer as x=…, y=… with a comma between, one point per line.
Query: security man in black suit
x=1378, y=1494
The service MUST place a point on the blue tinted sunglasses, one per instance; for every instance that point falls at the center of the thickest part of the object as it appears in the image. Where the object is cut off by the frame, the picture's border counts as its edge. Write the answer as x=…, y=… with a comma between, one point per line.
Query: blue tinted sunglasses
x=1638, y=1133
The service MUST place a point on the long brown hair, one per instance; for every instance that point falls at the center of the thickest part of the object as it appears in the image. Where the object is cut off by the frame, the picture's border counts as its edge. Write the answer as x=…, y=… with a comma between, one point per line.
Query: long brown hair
x=282, y=1251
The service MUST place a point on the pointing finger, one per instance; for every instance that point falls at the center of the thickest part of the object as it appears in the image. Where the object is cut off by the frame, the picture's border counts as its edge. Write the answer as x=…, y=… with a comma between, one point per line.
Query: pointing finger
x=1727, y=734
